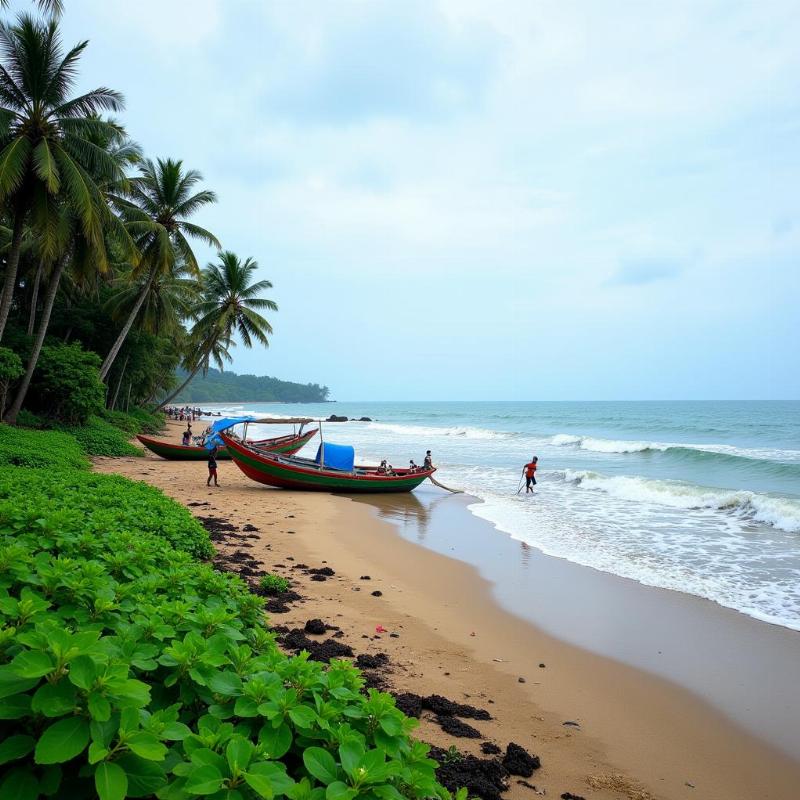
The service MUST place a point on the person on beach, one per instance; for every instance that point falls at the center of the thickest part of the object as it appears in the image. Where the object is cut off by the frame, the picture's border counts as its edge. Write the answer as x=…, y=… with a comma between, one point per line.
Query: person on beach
x=530, y=474
x=428, y=462
x=412, y=467
x=187, y=436
x=212, y=467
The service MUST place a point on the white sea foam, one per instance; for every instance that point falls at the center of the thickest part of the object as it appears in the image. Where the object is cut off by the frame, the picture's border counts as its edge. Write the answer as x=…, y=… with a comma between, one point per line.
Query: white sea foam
x=427, y=431
x=599, y=445
x=781, y=513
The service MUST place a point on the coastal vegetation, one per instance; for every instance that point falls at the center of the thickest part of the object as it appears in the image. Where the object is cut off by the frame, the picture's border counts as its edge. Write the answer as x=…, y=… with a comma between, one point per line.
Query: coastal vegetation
x=130, y=667
x=103, y=296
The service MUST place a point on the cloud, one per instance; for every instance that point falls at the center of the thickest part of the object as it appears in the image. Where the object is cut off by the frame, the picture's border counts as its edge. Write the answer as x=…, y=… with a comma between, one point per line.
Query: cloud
x=641, y=271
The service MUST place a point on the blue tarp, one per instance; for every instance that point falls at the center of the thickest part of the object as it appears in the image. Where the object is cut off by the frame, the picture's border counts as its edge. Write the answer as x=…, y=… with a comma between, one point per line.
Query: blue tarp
x=212, y=440
x=337, y=456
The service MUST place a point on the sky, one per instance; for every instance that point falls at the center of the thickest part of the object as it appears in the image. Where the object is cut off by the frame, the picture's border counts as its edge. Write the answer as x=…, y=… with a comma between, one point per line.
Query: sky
x=488, y=199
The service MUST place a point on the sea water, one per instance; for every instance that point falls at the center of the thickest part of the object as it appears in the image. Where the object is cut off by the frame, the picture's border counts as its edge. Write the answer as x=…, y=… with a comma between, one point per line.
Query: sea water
x=697, y=497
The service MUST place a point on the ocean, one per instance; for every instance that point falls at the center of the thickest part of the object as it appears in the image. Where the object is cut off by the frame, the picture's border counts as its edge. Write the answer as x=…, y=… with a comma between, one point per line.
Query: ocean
x=698, y=497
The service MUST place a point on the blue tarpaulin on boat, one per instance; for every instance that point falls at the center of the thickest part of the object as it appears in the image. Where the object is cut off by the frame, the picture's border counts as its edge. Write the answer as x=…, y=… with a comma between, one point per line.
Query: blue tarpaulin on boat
x=212, y=440
x=337, y=456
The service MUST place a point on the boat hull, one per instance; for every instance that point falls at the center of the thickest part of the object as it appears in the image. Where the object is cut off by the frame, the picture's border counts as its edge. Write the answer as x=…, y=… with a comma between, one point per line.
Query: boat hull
x=270, y=471
x=286, y=445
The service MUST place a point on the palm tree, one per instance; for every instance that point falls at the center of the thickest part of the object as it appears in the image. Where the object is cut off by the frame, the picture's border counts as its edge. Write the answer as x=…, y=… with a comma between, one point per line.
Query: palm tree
x=156, y=209
x=47, y=152
x=230, y=306
x=55, y=8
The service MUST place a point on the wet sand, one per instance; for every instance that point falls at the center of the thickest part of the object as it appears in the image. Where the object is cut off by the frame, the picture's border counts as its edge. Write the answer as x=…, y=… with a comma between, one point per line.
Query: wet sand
x=633, y=734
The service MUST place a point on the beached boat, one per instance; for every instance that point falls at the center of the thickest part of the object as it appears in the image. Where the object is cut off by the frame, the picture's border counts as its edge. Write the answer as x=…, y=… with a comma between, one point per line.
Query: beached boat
x=288, y=444
x=333, y=470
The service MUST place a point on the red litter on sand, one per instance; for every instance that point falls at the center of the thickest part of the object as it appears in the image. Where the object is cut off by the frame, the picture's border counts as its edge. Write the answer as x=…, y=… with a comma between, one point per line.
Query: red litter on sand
x=380, y=629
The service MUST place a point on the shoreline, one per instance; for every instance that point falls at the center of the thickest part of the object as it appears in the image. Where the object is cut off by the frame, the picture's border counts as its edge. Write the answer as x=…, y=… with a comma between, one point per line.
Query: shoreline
x=637, y=735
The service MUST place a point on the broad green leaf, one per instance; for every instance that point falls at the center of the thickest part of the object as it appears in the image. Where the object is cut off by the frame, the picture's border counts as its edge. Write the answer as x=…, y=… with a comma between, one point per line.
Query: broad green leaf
x=133, y=693
x=145, y=778
x=350, y=754
x=32, y=664
x=239, y=752
x=15, y=747
x=19, y=784
x=50, y=780
x=62, y=741
x=147, y=746
x=276, y=741
x=204, y=780
x=321, y=764
x=176, y=731
x=261, y=784
x=276, y=772
x=205, y=757
x=16, y=706
x=228, y=684
x=110, y=781
x=245, y=707
x=303, y=716
x=340, y=791
x=391, y=725
x=96, y=752
x=55, y=699
x=99, y=707
x=82, y=672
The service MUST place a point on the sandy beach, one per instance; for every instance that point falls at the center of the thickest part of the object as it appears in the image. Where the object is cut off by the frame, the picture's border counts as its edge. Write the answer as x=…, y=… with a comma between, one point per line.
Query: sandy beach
x=602, y=729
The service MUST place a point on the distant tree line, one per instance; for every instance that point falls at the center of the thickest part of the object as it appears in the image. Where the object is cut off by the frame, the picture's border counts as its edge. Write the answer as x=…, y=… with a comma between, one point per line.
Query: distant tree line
x=225, y=387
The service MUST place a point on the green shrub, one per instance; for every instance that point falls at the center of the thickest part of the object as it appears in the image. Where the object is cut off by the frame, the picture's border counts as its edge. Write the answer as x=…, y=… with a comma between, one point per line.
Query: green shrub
x=274, y=584
x=135, y=421
x=21, y=447
x=127, y=668
x=66, y=384
x=100, y=438
x=27, y=419
x=150, y=423
x=121, y=420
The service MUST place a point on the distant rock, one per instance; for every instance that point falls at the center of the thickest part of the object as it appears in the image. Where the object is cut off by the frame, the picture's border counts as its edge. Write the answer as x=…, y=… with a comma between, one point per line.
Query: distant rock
x=365, y=419
x=335, y=418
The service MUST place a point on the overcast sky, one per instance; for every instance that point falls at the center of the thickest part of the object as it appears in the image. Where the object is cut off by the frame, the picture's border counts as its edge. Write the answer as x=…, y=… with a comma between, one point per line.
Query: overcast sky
x=473, y=199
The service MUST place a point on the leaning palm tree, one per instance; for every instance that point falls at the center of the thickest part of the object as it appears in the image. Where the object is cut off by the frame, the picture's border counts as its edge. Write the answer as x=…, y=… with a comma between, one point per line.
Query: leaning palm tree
x=156, y=209
x=47, y=150
x=230, y=307
x=55, y=8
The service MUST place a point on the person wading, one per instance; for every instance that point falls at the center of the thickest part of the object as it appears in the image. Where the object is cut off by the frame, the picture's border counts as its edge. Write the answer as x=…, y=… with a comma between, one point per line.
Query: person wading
x=212, y=467
x=530, y=474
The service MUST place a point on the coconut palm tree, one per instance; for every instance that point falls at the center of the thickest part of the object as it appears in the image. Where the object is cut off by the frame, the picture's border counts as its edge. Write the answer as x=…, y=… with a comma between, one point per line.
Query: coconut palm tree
x=55, y=8
x=48, y=156
x=156, y=209
x=230, y=307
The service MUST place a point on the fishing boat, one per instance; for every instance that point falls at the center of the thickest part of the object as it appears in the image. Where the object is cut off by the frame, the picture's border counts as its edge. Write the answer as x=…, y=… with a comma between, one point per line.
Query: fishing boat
x=288, y=444
x=333, y=470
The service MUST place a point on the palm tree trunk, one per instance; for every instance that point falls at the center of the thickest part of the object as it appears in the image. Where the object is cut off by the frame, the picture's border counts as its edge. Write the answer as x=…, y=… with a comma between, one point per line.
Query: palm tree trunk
x=35, y=298
x=44, y=322
x=119, y=382
x=181, y=387
x=12, y=264
x=128, y=402
x=123, y=334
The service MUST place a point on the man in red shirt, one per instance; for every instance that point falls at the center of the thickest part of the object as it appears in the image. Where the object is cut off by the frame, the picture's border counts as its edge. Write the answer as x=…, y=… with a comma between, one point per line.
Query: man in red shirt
x=530, y=474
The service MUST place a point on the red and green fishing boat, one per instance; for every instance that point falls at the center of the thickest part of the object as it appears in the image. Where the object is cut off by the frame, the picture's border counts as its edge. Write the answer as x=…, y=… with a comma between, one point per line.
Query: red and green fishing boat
x=288, y=444
x=292, y=472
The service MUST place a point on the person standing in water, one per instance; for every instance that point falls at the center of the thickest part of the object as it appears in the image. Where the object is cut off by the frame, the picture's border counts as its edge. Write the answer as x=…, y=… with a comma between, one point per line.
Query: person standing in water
x=530, y=474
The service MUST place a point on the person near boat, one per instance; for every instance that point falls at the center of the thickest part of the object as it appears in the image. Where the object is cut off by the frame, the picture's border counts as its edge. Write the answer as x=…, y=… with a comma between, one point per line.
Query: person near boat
x=187, y=436
x=212, y=467
x=428, y=462
x=530, y=474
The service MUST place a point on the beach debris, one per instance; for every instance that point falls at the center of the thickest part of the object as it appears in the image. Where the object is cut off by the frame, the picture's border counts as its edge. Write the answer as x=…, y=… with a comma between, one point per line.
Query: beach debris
x=690, y=784
x=318, y=577
x=369, y=661
x=355, y=588
x=365, y=578
x=315, y=626
x=542, y=666
x=571, y=724
x=249, y=528
x=570, y=796
x=380, y=629
x=455, y=727
x=518, y=761
x=296, y=640
x=500, y=660
x=490, y=749
x=481, y=777
x=530, y=786
x=377, y=593
x=520, y=679
x=410, y=704
x=394, y=635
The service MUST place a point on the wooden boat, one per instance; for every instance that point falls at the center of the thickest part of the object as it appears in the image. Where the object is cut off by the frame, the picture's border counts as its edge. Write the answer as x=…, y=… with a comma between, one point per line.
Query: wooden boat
x=288, y=444
x=292, y=472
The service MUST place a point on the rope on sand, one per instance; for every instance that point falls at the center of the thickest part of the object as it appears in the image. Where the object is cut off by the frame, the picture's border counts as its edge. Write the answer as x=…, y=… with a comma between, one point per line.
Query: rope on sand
x=442, y=486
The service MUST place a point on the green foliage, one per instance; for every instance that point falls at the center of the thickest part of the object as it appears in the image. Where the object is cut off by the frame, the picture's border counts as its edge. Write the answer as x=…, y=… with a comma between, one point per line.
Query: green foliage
x=66, y=384
x=10, y=369
x=128, y=668
x=27, y=419
x=223, y=387
x=100, y=438
x=136, y=420
x=274, y=584
x=31, y=448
